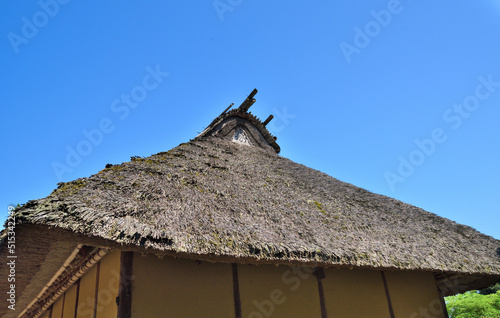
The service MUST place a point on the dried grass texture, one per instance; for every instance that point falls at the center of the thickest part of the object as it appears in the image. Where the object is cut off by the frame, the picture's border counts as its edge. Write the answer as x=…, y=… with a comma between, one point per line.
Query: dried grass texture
x=218, y=198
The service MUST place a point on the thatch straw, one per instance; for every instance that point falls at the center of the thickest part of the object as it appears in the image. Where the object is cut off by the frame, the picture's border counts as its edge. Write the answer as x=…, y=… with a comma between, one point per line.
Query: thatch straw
x=213, y=196
x=218, y=200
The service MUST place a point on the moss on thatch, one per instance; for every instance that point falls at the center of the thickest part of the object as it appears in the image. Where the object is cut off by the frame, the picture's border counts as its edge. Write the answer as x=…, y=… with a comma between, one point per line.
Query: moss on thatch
x=215, y=197
x=225, y=201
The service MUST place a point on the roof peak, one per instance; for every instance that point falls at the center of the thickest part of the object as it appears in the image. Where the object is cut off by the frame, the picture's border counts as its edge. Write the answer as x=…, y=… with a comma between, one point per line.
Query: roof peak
x=241, y=126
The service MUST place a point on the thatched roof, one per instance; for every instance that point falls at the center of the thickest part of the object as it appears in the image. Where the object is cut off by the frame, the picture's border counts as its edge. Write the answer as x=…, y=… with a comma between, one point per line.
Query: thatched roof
x=220, y=200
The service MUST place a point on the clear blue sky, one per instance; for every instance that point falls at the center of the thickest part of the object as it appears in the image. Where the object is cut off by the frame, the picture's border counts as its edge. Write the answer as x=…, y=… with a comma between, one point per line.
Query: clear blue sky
x=398, y=97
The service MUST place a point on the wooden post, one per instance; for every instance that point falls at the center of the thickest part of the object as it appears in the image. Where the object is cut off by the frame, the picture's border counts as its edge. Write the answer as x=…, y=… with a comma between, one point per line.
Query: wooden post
x=63, y=302
x=389, y=303
x=441, y=299
x=51, y=309
x=236, y=292
x=77, y=296
x=96, y=291
x=125, y=289
x=320, y=274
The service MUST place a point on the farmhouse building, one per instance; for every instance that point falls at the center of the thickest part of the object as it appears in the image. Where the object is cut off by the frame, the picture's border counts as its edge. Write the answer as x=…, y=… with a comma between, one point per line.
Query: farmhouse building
x=222, y=226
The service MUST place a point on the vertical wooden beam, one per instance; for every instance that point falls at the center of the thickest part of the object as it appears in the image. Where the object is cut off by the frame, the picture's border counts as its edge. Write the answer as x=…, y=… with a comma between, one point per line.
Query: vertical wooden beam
x=443, y=305
x=236, y=292
x=391, y=310
x=63, y=301
x=441, y=299
x=77, y=296
x=320, y=274
x=51, y=308
x=96, y=292
x=125, y=289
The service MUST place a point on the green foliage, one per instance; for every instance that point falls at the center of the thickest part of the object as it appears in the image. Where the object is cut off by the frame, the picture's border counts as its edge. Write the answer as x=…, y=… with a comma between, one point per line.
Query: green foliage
x=472, y=304
x=490, y=290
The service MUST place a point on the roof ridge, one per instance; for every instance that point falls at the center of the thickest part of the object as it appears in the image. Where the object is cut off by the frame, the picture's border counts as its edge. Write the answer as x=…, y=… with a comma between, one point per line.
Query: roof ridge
x=242, y=112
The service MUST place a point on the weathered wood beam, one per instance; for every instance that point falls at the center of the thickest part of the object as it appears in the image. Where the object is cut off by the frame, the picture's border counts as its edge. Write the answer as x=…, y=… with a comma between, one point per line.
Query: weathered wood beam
x=225, y=110
x=248, y=102
x=319, y=272
x=268, y=120
x=96, y=291
x=236, y=292
x=441, y=299
x=389, y=303
x=77, y=296
x=125, y=288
